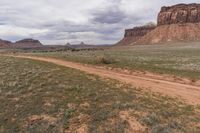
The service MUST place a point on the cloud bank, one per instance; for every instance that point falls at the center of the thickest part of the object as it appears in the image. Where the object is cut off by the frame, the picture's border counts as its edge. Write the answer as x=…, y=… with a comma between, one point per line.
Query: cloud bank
x=62, y=21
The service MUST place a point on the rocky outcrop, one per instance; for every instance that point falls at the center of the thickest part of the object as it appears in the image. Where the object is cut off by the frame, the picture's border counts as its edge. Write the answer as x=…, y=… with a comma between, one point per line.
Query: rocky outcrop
x=172, y=33
x=138, y=31
x=28, y=43
x=178, y=23
x=181, y=13
x=133, y=35
x=5, y=44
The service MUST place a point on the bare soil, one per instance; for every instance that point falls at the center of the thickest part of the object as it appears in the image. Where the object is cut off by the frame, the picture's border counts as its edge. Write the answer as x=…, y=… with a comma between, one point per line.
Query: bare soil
x=187, y=91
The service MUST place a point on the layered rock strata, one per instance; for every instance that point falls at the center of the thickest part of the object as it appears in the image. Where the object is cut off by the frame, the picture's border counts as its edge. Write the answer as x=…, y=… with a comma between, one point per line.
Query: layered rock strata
x=133, y=35
x=28, y=43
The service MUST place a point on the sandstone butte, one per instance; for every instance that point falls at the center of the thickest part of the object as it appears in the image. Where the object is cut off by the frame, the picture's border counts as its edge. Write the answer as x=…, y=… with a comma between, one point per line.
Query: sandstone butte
x=28, y=43
x=133, y=35
x=5, y=44
x=25, y=43
x=178, y=23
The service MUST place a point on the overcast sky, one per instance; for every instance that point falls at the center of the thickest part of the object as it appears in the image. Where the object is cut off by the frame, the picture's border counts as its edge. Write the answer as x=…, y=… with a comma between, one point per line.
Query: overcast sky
x=73, y=21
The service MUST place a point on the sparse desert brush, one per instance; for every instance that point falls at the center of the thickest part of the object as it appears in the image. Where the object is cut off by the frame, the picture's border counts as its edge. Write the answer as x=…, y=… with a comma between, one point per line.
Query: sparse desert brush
x=105, y=60
x=37, y=96
x=181, y=60
x=151, y=119
x=161, y=129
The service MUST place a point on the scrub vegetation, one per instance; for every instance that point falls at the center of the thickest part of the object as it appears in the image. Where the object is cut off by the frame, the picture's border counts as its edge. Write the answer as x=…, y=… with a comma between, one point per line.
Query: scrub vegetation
x=42, y=97
x=179, y=59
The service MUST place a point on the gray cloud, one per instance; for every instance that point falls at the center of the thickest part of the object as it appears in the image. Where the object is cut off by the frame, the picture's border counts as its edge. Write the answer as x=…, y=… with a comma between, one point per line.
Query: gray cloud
x=2, y=23
x=109, y=16
x=58, y=22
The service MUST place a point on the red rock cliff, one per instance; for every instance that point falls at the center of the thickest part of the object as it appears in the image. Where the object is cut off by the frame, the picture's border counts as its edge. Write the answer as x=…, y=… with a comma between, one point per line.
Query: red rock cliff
x=138, y=31
x=133, y=35
x=181, y=13
x=178, y=23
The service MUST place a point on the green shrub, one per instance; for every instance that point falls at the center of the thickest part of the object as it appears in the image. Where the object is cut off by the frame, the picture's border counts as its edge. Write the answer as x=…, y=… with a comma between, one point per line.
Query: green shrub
x=151, y=119
x=161, y=129
x=105, y=60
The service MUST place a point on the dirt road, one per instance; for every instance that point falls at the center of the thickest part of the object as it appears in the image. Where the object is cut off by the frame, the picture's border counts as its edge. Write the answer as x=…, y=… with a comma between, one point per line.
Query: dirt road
x=189, y=93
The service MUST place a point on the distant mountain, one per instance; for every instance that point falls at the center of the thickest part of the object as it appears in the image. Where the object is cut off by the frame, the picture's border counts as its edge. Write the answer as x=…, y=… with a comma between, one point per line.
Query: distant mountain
x=5, y=44
x=33, y=44
x=82, y=45
x=28, y=43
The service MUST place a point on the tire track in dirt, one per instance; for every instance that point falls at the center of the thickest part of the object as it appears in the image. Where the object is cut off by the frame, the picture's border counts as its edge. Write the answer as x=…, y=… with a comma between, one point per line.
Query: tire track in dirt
x=189, y=93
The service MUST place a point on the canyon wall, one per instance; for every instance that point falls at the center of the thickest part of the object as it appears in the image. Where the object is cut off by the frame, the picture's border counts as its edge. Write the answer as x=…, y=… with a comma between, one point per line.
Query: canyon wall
x=181, y=13
x=134, y=34
x=138, y=31
x=178, y=23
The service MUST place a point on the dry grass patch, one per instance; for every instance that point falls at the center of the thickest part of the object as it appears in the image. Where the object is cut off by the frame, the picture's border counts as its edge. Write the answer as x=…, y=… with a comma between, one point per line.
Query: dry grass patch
x=45, y=98
x=134, y=126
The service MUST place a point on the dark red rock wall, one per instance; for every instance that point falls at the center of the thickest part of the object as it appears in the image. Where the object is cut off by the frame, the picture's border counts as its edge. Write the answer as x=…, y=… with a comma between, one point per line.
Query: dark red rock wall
x=138, y=31
x=133, y=35
x=182, y=13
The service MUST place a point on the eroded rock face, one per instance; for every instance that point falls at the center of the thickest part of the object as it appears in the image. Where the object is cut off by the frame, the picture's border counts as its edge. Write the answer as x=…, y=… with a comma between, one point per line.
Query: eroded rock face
x=187, y=32
x=181, y=13
x=138, y=31
x=178, y=23
x=28, y=43
x=133, y=35
x=5, y=44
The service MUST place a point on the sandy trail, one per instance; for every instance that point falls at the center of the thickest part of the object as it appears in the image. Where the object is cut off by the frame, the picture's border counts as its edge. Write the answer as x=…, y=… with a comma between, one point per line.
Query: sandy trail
x=189, y=93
